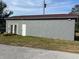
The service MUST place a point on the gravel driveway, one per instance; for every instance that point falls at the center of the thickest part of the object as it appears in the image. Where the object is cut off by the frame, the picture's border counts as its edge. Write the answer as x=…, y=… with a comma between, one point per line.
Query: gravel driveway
x=12, y=52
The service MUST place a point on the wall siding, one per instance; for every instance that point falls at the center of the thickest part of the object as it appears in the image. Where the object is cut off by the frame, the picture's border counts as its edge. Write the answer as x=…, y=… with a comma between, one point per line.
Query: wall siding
x=58, y=29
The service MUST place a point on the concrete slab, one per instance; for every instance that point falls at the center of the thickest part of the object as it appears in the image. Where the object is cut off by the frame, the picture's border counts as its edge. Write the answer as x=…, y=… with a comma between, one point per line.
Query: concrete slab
x=13, y=52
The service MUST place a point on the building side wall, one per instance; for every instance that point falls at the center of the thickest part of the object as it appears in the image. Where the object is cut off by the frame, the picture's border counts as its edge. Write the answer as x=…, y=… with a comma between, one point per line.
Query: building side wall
x=58, y=29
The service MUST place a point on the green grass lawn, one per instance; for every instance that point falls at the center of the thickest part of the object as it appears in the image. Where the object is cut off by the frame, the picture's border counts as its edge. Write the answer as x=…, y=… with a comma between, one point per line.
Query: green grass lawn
x=38, y=42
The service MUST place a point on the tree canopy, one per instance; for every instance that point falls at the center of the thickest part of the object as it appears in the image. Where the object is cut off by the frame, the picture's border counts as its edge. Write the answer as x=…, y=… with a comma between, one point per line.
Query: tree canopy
x=4, y=12
x=75, y=10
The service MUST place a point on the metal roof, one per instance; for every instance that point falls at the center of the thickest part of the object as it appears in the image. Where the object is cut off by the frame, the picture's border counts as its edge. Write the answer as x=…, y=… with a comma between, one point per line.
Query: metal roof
x=42, y=17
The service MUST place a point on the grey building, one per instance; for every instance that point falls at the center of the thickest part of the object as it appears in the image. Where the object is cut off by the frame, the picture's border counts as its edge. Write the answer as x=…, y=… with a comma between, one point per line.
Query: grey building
x=57, y=26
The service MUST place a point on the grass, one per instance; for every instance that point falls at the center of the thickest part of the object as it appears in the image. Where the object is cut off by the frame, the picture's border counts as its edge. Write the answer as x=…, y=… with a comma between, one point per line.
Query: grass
x=38, y=42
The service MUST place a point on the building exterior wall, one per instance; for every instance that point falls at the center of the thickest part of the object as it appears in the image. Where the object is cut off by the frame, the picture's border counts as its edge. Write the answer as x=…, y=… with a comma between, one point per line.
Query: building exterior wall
x=59, y=29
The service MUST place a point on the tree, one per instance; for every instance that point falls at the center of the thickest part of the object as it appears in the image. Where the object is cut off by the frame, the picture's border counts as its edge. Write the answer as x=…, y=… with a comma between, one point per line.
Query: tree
x=75, y=10
x=4, y=12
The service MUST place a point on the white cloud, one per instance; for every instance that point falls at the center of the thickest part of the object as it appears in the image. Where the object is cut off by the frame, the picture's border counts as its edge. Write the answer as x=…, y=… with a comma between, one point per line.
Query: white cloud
x=65, y=4
x=36, y=6
x=26, y=3
x=23, y=7
x=58, y=4
x=30, y=3
x=14, y=2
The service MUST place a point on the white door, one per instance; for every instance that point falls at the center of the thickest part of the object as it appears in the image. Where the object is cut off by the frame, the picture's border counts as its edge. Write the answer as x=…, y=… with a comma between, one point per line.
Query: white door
x=23, y=29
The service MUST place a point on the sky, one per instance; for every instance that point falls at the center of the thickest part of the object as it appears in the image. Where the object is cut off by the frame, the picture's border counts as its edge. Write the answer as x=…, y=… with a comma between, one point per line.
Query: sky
x=35, y=7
